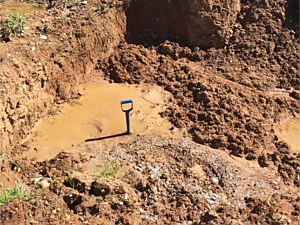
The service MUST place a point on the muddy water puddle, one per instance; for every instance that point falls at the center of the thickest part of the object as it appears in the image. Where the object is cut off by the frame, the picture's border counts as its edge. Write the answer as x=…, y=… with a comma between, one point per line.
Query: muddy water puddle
x=97, y=117
x=289, y=131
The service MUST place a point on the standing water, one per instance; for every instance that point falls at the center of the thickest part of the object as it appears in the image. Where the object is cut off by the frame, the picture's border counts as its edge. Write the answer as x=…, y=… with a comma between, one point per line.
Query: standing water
x=289, y=131
x=98, y=115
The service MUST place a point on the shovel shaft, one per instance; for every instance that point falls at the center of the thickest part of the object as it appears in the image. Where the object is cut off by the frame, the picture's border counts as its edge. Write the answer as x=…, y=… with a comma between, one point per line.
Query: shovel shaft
x=128, y=122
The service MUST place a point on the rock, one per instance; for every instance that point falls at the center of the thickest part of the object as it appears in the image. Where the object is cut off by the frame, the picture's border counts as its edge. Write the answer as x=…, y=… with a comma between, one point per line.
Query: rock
x=215, y=180
x=139, y=168
x=37, y=179
x=276, y=216
x=41, y=182
x=44, y=184
x=43, y=37
x=15, y=167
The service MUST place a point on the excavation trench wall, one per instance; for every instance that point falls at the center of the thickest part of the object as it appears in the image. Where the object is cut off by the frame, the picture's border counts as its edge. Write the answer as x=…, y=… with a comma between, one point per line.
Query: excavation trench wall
x=37, y=72
x=203, y=23
x=57, y=55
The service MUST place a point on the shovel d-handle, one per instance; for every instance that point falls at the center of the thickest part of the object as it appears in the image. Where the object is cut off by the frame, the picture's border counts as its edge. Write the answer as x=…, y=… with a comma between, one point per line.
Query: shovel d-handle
x=124, y=102
x=127, y=113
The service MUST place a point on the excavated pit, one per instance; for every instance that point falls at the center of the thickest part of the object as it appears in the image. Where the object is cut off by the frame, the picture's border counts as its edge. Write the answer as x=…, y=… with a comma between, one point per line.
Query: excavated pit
x=230, y=98
x=193, y=23
x=152, y=22
x=92, y=118
x=292, y=15
x=56, y=78
x=37, y=73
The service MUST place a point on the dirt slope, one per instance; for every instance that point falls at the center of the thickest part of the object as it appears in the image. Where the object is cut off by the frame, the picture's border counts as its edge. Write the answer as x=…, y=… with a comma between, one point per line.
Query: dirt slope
x=159, y=181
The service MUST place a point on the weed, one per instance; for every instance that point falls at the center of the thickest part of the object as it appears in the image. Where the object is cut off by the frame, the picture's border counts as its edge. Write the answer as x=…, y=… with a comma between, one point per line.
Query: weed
x=104, y=7
x=15, y=23
x=155, y=173
x=95, y=173
x=39, y=191
x=67, y=173
x=70, y=3
x=110, y=169
x=73, y=183
x=3, y=157
x=18, y=191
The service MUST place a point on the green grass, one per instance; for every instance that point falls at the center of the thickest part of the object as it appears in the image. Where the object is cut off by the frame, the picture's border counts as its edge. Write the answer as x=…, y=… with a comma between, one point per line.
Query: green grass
x=110, y=169
x=19, y=191
x=15, y=23
x=95, y=172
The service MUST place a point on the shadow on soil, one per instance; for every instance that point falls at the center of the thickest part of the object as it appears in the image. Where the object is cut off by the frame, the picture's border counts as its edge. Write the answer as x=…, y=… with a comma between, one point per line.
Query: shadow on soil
x=106, y=137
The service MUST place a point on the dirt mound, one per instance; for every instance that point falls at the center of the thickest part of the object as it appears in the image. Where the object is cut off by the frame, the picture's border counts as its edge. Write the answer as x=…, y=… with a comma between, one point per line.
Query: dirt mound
x=154, y=179
x=228, y=98
x=215, y=111
x=261, y=39
x=195, y=23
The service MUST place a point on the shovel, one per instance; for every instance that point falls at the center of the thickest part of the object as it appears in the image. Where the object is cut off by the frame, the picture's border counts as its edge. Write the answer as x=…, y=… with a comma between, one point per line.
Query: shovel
x=127, y=110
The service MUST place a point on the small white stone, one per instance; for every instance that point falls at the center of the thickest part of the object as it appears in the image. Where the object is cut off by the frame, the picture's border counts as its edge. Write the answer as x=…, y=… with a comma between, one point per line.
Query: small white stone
x=153, y=188
x=43, y=37
x=37, y=179
x=215, y=180
x=44, y=184
x=138, y=168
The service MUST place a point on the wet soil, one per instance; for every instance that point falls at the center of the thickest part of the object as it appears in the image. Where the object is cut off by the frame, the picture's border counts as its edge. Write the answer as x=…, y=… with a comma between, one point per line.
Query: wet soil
x=289, y=131
x=97, y=115
x=223, y=108
x=230, y=93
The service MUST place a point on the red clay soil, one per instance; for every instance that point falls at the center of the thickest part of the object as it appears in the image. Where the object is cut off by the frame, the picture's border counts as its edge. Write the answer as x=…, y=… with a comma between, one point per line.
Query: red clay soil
x=159, y=180
x=228, y=98
x=58, y=51
x=232, y=82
